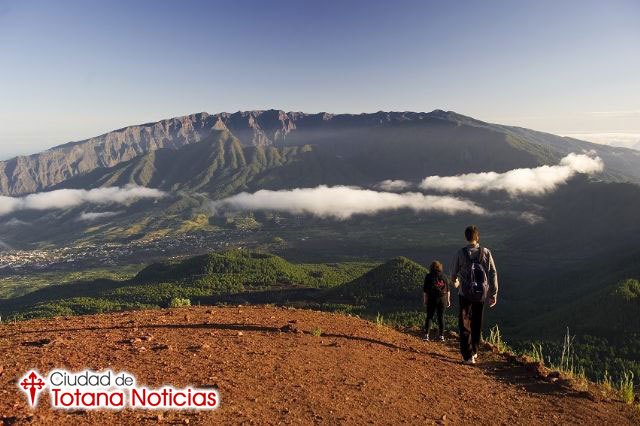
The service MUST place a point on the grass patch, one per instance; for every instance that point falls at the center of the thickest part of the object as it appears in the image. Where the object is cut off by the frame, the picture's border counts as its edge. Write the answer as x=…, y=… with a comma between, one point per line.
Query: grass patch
x=379, y=320
x=495, y=339
x=625, y=388
x=179, y=302
x=19, y=285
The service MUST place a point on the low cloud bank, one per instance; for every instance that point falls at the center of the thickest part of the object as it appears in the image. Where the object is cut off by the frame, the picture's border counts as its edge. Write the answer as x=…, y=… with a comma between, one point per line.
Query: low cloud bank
x=534, y=181
x=66, y=198
x=530, y=218
x=623, y=140
x=393, y=185
x=14, y=223
x=342, y=202
x=92, y=216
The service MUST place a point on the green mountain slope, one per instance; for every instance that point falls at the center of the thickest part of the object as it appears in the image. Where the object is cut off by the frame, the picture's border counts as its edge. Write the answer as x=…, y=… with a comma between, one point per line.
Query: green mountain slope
x=445, y=142
x=218, y=273
x=219, y=165
x=397, y=282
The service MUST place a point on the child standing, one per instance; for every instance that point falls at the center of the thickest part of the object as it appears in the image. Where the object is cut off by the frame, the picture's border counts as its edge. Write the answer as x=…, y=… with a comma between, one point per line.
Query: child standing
x=436, y=297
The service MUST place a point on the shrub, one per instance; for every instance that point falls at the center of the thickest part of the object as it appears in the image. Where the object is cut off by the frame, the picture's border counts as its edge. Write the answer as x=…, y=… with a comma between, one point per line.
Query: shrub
x=178, y=302
x=567, y=357
x=379, y=320
x=607, y=383
x=626, y=387
x=495, y=339
x=536, y=353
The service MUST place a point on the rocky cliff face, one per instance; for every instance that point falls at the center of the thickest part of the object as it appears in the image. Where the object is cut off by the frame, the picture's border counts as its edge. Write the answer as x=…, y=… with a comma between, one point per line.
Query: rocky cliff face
x=27, y=174
x=38, y=172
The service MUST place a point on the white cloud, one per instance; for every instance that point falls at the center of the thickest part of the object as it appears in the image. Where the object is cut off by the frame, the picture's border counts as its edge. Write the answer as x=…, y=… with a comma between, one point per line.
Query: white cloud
x=342, y=202
x=623, y=140
x=630, y=113
x=393, y=185
x=530, y=218
x=534, y=181
x=14, y=222
x=66, y=198
x=91, y=216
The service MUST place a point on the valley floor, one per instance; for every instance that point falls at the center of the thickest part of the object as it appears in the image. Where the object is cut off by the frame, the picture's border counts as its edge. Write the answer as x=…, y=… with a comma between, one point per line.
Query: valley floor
x=278, y=365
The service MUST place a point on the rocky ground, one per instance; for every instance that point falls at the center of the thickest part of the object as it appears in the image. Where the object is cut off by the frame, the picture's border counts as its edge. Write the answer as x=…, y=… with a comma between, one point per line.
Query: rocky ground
x=277, y=365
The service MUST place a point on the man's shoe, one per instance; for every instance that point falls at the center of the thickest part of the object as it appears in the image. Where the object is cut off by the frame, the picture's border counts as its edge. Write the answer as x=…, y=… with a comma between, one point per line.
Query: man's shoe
x=441, y=338
x=469, y=361
x=474, y=357
x=425, y=338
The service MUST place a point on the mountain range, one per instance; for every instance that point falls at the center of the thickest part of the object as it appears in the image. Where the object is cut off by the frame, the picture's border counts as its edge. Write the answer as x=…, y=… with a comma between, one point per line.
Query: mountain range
x=560, y=253
x=343, y=148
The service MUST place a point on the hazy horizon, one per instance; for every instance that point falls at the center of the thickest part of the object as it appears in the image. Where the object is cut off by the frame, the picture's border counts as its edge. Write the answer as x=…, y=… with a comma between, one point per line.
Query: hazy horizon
x=75, y=70
x=616, y=139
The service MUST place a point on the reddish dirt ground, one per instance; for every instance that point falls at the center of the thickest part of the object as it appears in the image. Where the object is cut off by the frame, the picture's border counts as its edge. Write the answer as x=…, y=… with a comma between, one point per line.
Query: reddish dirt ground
x=353, y=373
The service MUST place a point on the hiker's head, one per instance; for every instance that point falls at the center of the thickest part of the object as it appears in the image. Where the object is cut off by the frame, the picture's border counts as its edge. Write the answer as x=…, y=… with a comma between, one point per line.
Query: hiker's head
x=436, y=267
x=472, y=234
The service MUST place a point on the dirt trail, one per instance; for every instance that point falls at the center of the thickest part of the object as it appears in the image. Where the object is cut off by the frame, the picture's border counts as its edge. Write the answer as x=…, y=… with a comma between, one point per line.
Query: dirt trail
x=354, y=373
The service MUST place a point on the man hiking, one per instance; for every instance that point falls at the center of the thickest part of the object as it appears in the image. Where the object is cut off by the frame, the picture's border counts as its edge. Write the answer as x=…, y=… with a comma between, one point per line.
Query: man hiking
x=474, y=274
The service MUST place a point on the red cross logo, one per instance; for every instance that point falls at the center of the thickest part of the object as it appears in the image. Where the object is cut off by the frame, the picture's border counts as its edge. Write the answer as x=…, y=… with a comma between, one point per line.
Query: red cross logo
x=32, y=384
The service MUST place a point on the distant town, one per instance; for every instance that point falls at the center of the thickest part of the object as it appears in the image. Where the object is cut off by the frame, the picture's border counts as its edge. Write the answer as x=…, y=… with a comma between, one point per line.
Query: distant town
x=111, y=254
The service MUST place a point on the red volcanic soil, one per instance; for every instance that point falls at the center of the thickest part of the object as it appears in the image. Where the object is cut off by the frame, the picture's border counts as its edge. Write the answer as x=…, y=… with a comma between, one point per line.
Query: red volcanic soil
x=270, y=366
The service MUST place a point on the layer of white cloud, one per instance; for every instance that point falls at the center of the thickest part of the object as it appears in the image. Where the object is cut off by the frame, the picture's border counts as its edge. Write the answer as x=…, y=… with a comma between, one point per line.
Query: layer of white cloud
x=92, y=216
x=342, y=202
x=66, y=198
x=629, y=113
x=15, y=222
x=624, y=140
x=393, y=185
x=535, y=181
x=530, y=218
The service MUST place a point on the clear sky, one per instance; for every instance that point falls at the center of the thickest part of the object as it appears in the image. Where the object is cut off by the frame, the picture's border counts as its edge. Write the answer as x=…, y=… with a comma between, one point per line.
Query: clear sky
x=70, y=70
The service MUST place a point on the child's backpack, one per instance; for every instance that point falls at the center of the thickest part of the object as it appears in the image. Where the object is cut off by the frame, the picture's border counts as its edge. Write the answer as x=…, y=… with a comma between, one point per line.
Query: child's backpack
x=439, y=287
x=476, y=287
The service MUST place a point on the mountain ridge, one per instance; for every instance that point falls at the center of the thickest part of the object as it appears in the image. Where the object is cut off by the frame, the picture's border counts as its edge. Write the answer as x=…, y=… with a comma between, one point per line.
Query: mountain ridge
x=41, y=171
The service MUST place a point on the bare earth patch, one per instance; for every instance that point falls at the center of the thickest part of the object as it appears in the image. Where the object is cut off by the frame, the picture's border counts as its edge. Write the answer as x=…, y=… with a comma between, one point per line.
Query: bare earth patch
x=270, y=366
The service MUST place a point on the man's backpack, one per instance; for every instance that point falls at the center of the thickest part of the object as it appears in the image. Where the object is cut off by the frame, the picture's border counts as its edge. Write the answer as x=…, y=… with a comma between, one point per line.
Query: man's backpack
x=476, y=287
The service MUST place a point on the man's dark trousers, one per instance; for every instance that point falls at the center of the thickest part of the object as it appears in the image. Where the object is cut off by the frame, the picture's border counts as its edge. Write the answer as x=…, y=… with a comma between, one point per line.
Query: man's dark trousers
x=470, y=323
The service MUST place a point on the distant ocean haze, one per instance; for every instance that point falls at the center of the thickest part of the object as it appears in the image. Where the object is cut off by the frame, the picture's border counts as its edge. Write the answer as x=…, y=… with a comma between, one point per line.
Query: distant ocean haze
x=623, y=140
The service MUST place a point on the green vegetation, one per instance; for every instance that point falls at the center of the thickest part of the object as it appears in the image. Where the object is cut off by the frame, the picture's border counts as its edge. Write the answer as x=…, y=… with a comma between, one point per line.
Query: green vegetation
x=607, y=382
x=495, y=339
x=388, y=294
x=316, y=332
x=178, y=302
x=19, y=285
x=396, y=284
x=567, y=358
x=536, y=353
x=212, y=275
x=626, y=388
x=237, y=270
x=199, y=222
x=379, y=320
x=629, y=291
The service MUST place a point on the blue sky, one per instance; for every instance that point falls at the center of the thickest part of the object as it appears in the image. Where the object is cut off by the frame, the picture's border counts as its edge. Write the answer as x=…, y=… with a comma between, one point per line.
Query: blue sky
x=71, y=70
